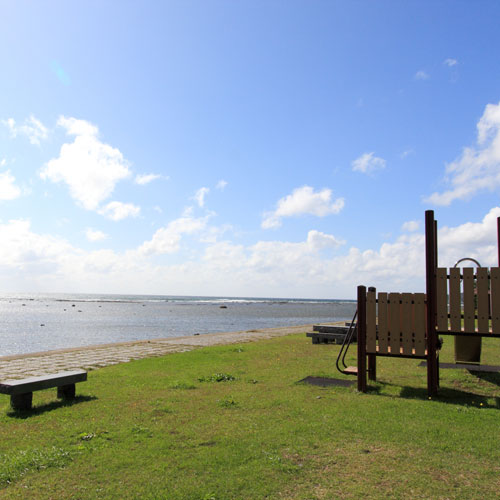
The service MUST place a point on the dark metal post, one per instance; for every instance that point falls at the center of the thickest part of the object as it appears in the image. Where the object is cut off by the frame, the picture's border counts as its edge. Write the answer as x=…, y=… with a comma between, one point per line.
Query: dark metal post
x=361, y=338
x=498, y=239
x=430, y=265
x=372, y=357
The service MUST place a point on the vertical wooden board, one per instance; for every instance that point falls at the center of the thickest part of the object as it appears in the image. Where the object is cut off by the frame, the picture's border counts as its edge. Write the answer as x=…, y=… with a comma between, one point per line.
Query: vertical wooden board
x=483, y=302
x=371, y=322
x=406, y=324
x=394, y=323
x=495, y=299
x=469, y=303
x=442, y=299
x=455, y=300
x=419, y=323
x=383, y=328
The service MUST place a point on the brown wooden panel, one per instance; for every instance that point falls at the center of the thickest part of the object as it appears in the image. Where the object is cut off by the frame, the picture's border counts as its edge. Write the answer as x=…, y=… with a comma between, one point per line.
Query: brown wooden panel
x=442, y=299
x=495, y=299
x=394, y=322
x=454, y=299
x=469, y=302
x=383, y=325
x=483, y=300
x=371, y=322
x=406, y=324
x=419, y=320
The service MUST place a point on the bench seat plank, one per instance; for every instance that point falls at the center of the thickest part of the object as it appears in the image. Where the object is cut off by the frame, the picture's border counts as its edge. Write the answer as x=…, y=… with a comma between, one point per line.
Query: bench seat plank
x=23, y=386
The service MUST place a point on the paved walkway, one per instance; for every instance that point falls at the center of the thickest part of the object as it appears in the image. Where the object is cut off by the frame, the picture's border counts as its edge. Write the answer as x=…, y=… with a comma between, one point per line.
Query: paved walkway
x=92, y=357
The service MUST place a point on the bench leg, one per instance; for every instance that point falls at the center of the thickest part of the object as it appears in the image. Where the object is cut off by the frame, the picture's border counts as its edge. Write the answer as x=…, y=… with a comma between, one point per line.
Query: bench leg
x=21, y=401
x=66, y=391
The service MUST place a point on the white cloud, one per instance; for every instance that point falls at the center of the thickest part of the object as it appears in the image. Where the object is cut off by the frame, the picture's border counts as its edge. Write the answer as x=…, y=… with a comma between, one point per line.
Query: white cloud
x=421, y=75
x=116, y=210
x=95, y=235
x=303, y=201
x=411, y=226
x=368, y=163
x=199, y=197
x=8, y=189
x=450, y=62
x=31, y=261
x=478, y=168
x=472, y=239
x=89, y=167
x=221, y=185
x=32, y=128
x=407, y=153
x=77, y=127
x=166, y=240
x=3, y=162
x=143, y=179
x=318, y=240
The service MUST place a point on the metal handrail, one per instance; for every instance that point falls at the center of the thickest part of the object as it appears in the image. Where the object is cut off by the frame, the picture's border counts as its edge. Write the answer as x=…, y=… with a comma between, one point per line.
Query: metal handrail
x=345, y=345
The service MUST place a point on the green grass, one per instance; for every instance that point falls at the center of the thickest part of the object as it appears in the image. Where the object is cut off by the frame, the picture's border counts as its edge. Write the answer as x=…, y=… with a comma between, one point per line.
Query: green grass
x=233, y=422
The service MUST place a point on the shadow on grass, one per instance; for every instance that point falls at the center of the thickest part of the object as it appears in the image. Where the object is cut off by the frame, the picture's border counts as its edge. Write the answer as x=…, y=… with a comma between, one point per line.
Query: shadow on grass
x=451, y=396
x=326, y=381
x=53, y=405
x=492, y=378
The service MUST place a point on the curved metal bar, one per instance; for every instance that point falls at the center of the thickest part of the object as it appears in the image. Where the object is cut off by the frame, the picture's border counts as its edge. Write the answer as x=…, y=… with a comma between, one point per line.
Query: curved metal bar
x=468, y=258
x=345, y=345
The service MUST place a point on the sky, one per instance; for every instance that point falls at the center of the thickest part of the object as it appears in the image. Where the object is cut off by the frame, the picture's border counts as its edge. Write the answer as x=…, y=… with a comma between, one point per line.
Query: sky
x=277, y=148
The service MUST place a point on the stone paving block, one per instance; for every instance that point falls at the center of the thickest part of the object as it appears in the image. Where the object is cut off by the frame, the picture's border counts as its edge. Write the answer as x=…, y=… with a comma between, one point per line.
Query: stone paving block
x=91, y=358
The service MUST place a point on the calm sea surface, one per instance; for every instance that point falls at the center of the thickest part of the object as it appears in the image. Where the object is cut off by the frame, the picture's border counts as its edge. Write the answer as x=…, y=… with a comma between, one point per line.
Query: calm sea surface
x=32, y=323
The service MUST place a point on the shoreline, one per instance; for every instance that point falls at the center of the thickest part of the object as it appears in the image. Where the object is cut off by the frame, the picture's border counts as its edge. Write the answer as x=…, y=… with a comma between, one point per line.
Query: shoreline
x=100, y=355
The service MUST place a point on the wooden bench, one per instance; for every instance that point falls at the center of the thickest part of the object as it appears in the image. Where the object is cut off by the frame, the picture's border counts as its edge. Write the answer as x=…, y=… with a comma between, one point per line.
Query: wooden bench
x=323, y=334
x=21, y=391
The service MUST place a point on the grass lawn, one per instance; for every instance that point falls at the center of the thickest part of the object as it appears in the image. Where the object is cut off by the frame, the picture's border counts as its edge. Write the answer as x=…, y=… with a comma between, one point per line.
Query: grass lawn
x=232, y=422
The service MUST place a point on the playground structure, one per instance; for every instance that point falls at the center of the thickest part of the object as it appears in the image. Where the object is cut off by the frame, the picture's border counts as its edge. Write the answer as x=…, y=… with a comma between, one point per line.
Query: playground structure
x=459, y=302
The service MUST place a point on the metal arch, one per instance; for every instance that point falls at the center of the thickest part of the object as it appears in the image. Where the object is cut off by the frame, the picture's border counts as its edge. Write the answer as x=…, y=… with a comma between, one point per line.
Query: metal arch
x=468, y=258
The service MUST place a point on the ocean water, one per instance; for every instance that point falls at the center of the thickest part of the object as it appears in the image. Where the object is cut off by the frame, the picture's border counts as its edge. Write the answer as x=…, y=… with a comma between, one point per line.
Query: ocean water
x=34, y=323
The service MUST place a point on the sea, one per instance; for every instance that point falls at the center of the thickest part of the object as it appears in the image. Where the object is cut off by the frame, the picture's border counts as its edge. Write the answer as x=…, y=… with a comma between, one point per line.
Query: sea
x=42, y=322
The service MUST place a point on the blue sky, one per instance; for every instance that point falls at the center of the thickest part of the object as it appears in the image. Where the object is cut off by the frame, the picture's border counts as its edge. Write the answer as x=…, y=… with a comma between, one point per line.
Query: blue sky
x=251, y=148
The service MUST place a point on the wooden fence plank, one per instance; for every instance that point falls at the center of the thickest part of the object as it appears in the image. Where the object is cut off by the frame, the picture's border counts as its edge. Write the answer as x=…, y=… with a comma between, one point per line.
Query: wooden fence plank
x=406, y=324
x=455, y=302
x=383, y=327
x=394, y=323
x=495, y=299
x=469, y=302
x=442, y=299
x=419, y=323
x=371, y=322
x=483, y=300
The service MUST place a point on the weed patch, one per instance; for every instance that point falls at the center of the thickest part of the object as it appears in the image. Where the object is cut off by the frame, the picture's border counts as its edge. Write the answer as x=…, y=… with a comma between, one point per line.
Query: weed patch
x=217, y=377
x=17, y=464
x=227, y=402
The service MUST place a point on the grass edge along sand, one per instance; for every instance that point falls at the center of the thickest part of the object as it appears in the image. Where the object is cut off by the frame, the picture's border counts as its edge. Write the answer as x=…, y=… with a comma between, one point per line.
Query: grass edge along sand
x=233, y=421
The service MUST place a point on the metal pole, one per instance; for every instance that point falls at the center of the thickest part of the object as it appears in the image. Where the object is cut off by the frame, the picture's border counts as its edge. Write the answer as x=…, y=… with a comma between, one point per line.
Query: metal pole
x=498, y=239
x=372, y=357
x=430, y=265
x=361, y=338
